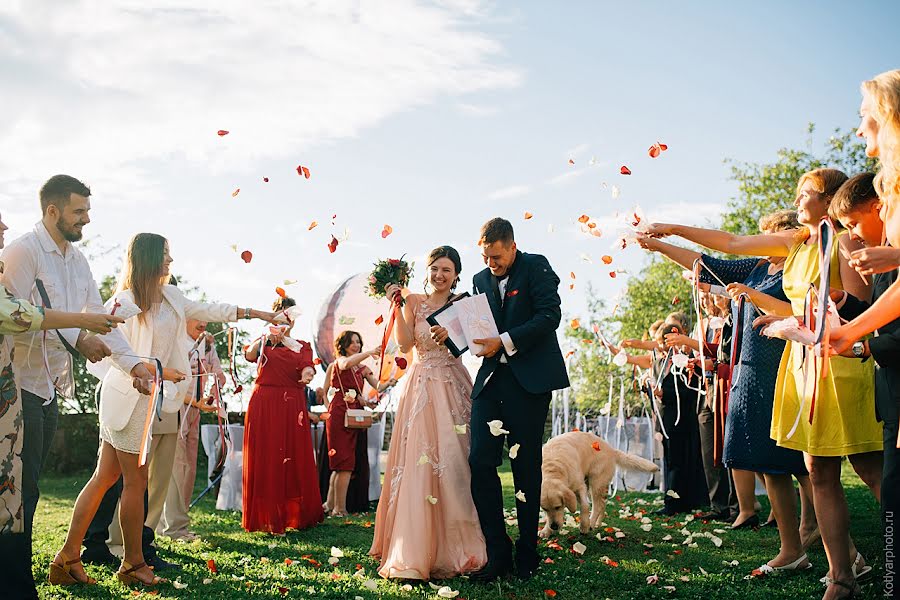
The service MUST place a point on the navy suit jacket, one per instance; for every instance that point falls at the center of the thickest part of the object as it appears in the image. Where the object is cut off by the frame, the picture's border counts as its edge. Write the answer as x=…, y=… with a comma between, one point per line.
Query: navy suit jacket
x=530, y=314
x=885, y=349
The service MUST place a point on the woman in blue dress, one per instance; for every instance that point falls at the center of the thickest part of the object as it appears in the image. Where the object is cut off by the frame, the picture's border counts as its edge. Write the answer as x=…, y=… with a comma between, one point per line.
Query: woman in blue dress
x=749, y=448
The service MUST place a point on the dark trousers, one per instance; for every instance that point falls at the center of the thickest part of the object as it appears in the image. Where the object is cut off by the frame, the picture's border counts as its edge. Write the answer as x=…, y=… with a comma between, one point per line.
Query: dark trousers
x=523, y=415
x=39, y=427
x=15, y=567
x=890, y=503
x=98, y=530
x=722, y=497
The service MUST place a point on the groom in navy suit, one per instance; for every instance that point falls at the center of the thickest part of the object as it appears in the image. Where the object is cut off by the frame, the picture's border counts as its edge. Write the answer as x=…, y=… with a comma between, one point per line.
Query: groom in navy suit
x=520, y=369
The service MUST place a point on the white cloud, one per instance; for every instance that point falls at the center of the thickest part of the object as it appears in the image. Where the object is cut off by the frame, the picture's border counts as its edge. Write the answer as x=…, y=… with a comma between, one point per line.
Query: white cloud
x=475, y=110
x=513, y=191
x=113, y=91
x=570, y=175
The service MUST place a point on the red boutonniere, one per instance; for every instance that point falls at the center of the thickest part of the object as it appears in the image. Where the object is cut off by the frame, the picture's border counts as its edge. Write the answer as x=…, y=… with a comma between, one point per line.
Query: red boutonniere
x=511, y=293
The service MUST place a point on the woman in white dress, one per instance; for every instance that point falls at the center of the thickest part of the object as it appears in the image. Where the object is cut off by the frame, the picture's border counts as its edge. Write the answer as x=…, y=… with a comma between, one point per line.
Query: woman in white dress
x=158, y=332
x=426, y=525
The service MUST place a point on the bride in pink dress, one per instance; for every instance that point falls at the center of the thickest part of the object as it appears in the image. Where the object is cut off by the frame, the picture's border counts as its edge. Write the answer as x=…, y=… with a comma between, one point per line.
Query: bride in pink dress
x=426, y=526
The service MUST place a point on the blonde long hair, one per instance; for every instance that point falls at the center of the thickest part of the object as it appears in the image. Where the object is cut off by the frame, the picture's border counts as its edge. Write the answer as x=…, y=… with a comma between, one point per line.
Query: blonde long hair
x=825, y=181
x=142, y=271
x=884, y=91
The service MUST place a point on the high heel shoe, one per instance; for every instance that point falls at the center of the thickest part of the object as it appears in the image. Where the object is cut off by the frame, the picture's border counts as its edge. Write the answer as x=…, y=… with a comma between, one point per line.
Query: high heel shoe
x=128, y=576
x=748, y=523
x=853, y=587
x=61, y=572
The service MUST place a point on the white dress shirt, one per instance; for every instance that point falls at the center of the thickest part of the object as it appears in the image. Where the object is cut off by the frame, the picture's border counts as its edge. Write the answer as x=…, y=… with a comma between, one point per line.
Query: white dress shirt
x=70, y=287
x=508, y=345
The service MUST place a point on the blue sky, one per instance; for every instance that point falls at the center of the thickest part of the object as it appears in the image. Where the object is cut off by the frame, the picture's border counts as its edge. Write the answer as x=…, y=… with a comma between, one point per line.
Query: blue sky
x=430, y=117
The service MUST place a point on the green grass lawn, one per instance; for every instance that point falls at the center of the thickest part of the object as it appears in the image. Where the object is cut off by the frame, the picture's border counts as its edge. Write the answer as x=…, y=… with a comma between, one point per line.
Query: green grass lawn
x=252, y=565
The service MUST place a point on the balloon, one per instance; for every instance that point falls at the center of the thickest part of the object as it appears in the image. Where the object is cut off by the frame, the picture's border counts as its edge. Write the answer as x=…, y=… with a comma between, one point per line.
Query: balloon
x=349, y=307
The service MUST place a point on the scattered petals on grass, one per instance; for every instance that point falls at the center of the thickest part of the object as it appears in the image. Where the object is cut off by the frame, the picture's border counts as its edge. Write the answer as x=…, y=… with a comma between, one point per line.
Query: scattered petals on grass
x=579, y=548
x=652, y=579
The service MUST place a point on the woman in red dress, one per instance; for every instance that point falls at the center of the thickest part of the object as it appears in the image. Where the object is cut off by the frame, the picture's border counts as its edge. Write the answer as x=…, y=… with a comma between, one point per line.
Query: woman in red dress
x=346, y=378
x=281, y=490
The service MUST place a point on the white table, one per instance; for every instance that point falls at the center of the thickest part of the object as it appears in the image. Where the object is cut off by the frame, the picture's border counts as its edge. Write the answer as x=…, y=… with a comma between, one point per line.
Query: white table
x=231, y=484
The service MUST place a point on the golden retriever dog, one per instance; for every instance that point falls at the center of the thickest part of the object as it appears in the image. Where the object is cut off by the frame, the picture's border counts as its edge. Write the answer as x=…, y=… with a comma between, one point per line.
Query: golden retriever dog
x=572, y=462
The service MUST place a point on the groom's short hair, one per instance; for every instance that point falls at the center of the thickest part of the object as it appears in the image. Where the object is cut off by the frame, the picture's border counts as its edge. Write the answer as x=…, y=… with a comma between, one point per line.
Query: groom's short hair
x=496, y=230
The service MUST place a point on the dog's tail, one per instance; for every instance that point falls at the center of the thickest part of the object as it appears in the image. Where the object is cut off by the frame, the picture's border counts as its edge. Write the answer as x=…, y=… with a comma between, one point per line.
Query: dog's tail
x=630, y=462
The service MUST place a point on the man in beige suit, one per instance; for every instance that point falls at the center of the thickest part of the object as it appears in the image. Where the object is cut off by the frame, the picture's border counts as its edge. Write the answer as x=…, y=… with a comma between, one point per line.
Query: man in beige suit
x=175, y=520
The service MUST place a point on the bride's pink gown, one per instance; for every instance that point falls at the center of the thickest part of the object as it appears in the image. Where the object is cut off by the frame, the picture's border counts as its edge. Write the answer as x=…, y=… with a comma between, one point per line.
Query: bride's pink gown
x=415, y=538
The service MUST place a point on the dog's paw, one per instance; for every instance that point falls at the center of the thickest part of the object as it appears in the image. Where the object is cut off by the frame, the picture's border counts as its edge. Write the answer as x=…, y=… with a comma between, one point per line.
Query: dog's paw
x=545, y=532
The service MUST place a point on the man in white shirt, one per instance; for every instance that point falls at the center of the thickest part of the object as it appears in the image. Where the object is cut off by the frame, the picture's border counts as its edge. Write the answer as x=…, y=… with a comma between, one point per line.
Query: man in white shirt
x=44, y=267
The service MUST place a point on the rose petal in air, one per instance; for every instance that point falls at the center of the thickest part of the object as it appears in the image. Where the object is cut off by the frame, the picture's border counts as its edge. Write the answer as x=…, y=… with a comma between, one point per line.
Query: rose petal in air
x=281, y=292
x=596, y=446
x=312, y=225
x=514, y=451
x=607, y=259
x=379, y=320
x=222, y=132
x=235, y=192
x=460, y=429
x=528, y=215
x=265, y=180
x=246, y=256
x=583, y=219
x=333, y=244
x=400, y=362
x=496, y=427
x=301, y=170
x=625, y=170
x=520, y=496
x=431, y=499
x=575, y=324
x=388, y=230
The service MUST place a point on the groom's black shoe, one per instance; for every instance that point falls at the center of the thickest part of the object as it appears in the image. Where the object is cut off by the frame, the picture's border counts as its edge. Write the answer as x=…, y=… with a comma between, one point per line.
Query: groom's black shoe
x=526, y=572
x=494, y=569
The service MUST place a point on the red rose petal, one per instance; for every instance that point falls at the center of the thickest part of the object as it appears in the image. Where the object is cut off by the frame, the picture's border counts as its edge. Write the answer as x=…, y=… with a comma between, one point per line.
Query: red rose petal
x=283, y=590
x=211, y=565
x=239, y=389
x=401, y=362
x=625, y=170
x=280, y=292
x=571, y=161
x=333, y=244
x=607, y=259
x=550, y=593
x=612, y=274
x=654, y=151
x=312, y=225
x=332, y=452
x=388, y=230
x=662, y=147
x=583, y=219
x=301, y=170
x=265, y=180
x=596, y=446
x=528, y=215
x=222, y=132
x=379, y=320
x=246, y=256
x=317, y=361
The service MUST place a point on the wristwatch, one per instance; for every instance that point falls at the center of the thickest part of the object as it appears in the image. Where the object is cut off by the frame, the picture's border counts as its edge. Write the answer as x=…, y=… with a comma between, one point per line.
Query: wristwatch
x=858, y=349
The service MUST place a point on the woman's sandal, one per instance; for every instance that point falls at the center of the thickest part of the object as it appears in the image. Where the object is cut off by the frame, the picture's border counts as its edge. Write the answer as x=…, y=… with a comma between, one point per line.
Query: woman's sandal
x=855, y=592
x=857, y=575
x=794, y=567
x=61, y=572
x=128, y=577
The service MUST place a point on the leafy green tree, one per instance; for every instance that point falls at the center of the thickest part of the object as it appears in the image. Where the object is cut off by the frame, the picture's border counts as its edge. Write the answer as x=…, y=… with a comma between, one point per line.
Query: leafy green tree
x=766, y=187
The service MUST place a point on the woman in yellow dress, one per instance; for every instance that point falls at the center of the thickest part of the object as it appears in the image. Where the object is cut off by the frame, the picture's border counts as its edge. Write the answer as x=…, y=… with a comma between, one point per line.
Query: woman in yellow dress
x=844, y=422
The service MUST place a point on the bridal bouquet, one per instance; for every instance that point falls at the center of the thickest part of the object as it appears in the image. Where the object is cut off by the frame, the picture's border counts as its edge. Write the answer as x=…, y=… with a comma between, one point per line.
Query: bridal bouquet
x=386, y=272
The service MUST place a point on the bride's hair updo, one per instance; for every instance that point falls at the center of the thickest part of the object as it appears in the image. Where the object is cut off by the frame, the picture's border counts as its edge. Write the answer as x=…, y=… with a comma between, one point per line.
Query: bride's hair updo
x=445, y=252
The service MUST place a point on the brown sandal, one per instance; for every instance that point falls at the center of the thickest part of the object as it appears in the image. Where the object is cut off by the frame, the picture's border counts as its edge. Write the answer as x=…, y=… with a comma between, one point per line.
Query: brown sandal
x=61, y=573
x=127, y=576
